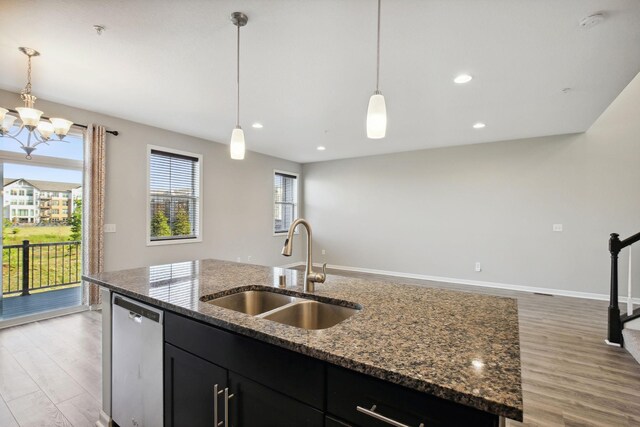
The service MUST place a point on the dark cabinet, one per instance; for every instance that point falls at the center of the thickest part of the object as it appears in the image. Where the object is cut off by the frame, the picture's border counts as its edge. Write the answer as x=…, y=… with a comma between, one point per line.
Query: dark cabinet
x=334, y=422
x=271, y=386
x=365, y=401
x=255, y=405
x=190, y=389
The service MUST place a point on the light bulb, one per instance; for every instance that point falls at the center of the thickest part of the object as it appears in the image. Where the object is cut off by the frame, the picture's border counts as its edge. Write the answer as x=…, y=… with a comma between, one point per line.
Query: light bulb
x=29, y=116
x=61, y=126
x=237, y=144
x=376, y=117
x=45, y=129
x=7, y=123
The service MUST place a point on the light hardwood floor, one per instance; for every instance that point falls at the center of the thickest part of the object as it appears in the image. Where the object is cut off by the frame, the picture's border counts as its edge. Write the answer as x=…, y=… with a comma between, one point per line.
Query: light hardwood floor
x=50, y=370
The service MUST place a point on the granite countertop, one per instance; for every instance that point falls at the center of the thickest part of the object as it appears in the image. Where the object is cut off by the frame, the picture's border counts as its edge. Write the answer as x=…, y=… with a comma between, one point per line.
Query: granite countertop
x=460, y=346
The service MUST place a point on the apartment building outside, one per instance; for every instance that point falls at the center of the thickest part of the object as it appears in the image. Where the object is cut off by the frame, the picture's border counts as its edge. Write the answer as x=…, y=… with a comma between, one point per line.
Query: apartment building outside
x=39, y=202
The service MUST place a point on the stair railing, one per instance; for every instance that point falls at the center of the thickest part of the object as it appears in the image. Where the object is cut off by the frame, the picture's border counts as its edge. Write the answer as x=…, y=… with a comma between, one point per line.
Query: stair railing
x=614, y=335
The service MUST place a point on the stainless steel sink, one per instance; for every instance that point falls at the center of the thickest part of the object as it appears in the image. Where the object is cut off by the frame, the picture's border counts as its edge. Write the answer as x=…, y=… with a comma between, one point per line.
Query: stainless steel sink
x=253, y=302
x=308, y=314
x=294, y=311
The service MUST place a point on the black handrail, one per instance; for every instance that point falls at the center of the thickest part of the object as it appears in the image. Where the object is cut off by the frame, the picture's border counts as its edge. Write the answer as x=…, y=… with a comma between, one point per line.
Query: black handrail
x=38, y=266
x=614, y=335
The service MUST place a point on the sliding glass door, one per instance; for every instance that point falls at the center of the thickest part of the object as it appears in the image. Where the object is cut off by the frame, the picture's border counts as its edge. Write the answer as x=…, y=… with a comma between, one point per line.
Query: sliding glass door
x=41, y=230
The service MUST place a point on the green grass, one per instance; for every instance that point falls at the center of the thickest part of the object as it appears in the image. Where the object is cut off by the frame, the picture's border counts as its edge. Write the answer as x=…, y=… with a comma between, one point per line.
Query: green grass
x=50, y=264
x=35, y=234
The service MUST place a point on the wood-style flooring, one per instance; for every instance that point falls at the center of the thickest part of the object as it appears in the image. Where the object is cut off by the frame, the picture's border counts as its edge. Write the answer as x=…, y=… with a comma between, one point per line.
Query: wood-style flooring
x=50, y=372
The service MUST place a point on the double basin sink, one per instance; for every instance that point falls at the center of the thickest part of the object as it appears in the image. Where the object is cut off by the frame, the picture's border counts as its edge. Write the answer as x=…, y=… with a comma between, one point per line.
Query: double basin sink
x=290, y=310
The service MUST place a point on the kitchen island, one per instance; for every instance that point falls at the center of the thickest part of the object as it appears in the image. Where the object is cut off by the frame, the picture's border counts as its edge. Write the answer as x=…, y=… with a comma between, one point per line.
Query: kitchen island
x=460, y=351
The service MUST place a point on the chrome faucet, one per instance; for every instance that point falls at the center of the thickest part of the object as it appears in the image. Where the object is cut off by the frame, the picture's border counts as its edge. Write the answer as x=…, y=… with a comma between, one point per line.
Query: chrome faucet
x=310, y=278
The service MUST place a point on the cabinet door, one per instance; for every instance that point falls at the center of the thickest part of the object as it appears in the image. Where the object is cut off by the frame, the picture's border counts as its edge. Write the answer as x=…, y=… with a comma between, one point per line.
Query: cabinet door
x=189, y=389
x=254, y=405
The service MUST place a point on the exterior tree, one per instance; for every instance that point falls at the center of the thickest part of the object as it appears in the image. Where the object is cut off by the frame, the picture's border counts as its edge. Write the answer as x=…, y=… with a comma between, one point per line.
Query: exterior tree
x=182, y=225
x=160, y=225
x=76, y=221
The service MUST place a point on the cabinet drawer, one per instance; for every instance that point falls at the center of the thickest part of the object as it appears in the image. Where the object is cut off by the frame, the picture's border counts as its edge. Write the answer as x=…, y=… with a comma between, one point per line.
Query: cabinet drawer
x=283, y=370
x=349, y=390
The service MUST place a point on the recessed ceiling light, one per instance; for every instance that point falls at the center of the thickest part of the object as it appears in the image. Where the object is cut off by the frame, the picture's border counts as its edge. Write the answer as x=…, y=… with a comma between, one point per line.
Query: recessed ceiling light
x=257, y=125
x=479, y=125
x=321, y=148
x=463, y=78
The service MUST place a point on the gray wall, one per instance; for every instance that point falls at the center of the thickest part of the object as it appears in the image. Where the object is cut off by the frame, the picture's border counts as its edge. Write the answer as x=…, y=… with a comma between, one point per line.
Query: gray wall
x=437, y=212
x=237, y=195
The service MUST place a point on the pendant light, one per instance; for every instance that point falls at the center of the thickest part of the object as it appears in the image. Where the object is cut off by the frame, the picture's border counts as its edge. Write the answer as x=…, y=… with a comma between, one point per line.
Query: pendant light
x=238, y=19
x=377, y=111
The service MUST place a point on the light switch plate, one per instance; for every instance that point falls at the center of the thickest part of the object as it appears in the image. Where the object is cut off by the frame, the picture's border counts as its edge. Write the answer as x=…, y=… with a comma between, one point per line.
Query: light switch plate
x=109, y=228
x=557, y=227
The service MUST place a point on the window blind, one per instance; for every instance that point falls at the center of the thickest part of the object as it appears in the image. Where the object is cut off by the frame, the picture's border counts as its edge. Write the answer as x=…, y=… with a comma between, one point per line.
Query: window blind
x=285, y=196
x=174, y=193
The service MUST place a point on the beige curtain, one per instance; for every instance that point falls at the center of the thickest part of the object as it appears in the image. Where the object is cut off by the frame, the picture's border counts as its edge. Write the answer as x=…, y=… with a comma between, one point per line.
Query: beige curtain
x=93, y=208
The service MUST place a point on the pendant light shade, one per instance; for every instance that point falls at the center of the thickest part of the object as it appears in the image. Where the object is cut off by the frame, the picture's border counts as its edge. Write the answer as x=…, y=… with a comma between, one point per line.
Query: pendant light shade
x=377, y=110
x=237, y=144
x=376, y=117
x=29, y=116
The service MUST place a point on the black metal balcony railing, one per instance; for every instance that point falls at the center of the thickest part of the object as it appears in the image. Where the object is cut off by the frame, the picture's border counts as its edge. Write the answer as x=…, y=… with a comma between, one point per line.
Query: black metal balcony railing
x=35, y=266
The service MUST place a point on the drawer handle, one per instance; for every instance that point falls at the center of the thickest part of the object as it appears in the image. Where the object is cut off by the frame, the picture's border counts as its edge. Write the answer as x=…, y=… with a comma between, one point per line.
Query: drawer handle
x=371, y=412
x=227, y=396
x=216, y=393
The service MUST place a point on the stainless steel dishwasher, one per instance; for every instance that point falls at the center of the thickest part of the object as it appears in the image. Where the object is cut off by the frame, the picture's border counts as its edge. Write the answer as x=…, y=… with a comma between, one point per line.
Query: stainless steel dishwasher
x=136, y=374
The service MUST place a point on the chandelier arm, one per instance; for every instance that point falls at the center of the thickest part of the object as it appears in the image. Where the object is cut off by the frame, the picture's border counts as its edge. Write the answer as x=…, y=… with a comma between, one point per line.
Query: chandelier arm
x=12, y=137
x=38, y=137
x=18, y=132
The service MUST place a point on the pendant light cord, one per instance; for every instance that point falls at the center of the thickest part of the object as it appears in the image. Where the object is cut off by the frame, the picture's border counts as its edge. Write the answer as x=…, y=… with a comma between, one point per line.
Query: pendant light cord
x=378, y=53
x=238, y=79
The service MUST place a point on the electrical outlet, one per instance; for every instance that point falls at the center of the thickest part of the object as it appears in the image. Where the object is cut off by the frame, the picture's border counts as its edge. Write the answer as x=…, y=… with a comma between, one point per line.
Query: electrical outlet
x=109, y=228
x=557, y=227
x=324, y=252
x=249, y=258
x=478, y=267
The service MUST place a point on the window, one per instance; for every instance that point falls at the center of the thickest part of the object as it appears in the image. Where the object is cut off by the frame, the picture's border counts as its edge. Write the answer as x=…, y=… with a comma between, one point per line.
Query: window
x=174, y=196
x=285, y=200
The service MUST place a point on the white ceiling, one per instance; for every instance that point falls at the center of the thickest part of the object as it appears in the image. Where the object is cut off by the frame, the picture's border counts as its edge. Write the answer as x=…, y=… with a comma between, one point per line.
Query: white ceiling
x=308, y=67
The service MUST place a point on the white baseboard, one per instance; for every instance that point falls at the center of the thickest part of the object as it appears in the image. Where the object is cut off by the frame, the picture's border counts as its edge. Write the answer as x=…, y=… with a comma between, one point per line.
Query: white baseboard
x=292, y=265
x=507, y=286
x=104, y=420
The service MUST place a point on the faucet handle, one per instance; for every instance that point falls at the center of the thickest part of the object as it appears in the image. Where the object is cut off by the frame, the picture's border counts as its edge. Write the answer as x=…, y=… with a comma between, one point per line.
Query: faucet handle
x=323, y=275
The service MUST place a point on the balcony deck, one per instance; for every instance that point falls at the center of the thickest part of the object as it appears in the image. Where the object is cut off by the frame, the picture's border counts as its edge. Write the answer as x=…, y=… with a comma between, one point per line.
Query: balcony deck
x=18, y=306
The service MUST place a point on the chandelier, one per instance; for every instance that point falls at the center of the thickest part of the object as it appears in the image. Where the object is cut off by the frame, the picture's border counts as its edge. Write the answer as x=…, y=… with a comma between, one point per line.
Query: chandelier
x=39, y=132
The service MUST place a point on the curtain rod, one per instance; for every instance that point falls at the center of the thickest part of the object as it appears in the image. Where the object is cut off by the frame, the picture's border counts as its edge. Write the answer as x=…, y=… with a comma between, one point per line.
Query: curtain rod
x=112, y=132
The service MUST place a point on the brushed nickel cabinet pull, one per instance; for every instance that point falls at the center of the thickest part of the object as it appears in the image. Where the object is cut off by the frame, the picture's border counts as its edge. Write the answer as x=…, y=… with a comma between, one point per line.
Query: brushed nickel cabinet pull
x=371, y=412
x=215, y=406
x=227, y=396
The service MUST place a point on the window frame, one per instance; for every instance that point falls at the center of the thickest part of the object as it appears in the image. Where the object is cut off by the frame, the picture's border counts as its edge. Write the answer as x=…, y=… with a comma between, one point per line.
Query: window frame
x=273, y=203
x=169, y=150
